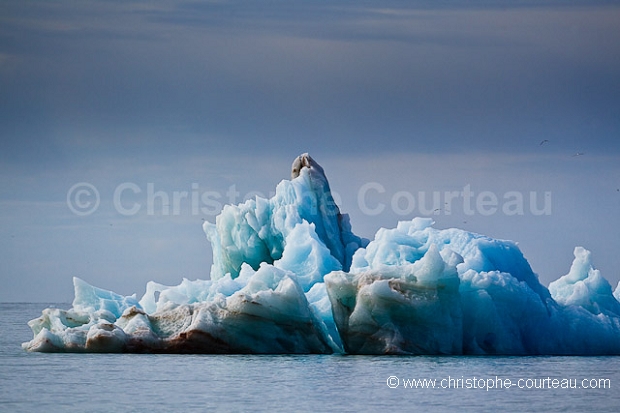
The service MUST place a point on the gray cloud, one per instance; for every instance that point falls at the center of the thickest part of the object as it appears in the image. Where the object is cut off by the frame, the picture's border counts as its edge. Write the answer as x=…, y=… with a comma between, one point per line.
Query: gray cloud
x=461, y=77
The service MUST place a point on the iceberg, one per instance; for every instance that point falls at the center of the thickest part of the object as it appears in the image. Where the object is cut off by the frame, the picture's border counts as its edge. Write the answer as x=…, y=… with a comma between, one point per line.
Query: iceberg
x=419, y=290
x=290, y=277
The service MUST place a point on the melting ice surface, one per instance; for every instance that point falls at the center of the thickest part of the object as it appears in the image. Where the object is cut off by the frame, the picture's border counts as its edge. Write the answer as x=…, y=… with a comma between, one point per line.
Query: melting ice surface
x=289, y=276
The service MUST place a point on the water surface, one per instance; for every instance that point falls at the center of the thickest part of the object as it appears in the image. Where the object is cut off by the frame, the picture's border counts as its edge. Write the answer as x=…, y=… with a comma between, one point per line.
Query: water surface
x=144, y=382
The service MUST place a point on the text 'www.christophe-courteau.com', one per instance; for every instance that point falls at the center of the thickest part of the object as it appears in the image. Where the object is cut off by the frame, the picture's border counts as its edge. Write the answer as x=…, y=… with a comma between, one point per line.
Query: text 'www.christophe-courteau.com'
x=497, y=383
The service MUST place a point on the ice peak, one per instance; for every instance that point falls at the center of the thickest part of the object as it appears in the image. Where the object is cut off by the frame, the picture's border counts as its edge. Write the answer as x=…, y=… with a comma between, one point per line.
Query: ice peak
x=305, y=161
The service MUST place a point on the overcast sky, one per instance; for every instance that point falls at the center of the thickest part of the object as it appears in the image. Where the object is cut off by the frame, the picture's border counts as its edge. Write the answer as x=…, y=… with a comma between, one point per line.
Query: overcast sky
x=503, y=120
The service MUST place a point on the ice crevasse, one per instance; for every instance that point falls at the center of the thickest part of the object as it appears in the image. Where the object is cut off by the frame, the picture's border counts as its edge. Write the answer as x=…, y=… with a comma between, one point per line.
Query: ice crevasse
x=290, y=276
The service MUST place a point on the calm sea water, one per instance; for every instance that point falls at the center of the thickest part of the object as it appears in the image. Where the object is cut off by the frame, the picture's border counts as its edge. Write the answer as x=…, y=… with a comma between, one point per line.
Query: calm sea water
x=32, y=382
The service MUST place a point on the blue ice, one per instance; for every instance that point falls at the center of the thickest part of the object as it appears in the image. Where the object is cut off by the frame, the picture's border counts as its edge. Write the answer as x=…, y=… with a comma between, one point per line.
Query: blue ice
x=290, y=276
